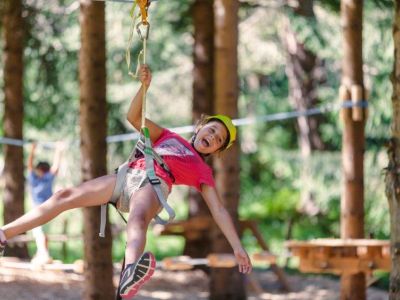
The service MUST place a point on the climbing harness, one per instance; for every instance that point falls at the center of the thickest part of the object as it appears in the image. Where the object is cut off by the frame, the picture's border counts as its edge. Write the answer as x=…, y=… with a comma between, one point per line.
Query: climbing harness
x=144, y=145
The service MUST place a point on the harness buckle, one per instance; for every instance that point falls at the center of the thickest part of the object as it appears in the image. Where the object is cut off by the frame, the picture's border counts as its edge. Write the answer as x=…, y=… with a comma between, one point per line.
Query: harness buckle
x=154, y=181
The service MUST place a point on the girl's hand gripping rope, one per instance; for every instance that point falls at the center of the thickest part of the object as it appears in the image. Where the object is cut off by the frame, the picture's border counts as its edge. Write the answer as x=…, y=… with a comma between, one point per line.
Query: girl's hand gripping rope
x=145, y=75
x=243, y=261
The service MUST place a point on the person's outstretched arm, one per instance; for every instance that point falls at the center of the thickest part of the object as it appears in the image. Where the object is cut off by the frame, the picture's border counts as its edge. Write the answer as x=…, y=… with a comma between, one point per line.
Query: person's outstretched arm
x=135, y=110
x=31, y=157
x=57, y=158
x=224, y=221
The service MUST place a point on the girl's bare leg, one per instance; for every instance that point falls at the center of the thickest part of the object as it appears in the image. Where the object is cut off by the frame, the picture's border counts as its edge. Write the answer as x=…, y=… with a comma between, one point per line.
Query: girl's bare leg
x=90, y=193
x=144, y=205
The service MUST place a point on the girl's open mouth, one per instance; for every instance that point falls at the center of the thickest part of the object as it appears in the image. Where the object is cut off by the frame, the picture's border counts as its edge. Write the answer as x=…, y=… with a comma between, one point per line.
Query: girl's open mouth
x=205, y=143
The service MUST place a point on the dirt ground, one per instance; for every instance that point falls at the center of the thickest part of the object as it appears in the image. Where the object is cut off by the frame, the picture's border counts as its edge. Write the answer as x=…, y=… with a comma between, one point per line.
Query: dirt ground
x=18, y=284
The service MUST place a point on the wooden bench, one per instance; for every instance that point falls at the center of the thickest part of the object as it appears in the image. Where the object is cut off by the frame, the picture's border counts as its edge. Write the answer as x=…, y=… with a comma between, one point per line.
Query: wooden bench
x=342, y=256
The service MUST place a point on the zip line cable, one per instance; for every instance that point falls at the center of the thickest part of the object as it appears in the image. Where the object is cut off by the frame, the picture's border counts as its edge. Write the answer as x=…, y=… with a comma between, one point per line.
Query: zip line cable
x=190, y=128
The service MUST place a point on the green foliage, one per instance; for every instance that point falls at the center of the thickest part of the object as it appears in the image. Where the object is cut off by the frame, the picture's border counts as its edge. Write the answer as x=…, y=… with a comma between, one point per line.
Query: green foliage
x=308, y=31
x=50, y=86
x=334, y=5
x=331, y=5
x=378, y=68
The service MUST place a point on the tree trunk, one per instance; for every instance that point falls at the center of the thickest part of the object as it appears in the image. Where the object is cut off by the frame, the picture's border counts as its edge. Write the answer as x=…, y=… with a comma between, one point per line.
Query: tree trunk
x=203, y=95
x=13, y=27
x=226, y=284
x=93, y=122
x=352, y=202
x=303, y=69
x=392, y=178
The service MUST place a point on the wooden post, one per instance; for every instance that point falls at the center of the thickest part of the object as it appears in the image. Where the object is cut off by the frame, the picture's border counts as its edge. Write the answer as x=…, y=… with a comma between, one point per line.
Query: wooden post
x=352, y=200
x=203, y=96
x=13, y=67
x=392, y=178
x=224, y=283
x=98, y=282
x=356, y=98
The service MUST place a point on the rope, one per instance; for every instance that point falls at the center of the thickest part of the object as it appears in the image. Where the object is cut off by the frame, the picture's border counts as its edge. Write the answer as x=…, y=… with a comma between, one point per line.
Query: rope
x=144, y=86
x=130, y=42
x=141, y=59
x=238, y=122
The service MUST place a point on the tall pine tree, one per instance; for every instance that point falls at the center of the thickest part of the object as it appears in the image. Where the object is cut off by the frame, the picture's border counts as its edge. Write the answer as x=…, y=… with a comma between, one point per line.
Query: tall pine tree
x=13, y=30
x=93, y=123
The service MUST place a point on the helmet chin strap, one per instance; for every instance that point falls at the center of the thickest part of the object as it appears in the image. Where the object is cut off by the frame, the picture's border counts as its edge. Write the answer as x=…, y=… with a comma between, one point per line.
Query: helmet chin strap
x=192, y=139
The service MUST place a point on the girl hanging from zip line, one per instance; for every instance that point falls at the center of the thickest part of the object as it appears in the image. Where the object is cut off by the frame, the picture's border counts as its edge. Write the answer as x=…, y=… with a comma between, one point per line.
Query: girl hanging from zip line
x=185, y=160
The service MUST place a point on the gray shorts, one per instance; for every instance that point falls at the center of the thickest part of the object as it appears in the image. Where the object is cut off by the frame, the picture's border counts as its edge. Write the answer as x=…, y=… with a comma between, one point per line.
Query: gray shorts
x=134, y=180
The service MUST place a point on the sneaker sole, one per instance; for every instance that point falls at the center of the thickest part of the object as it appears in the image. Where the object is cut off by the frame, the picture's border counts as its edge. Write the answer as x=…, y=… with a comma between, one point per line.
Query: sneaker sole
x=132, y=291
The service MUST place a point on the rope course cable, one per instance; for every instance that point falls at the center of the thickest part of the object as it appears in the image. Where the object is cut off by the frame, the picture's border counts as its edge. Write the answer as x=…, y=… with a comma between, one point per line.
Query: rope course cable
x=189, y=128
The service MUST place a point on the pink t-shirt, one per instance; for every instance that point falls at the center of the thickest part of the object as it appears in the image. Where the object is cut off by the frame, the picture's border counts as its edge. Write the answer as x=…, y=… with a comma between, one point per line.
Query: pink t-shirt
x=185, y=164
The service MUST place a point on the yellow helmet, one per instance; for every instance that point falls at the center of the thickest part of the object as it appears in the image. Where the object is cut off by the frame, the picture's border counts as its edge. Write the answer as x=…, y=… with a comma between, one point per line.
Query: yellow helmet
x=229, y=126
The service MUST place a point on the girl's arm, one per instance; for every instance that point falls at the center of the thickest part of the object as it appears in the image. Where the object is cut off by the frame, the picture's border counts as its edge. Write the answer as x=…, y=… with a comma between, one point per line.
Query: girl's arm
x=31, y=157
x=135, y=110
x=224, y=221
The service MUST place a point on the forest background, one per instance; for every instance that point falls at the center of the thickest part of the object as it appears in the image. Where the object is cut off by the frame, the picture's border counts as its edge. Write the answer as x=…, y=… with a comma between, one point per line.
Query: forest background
x=271, y=162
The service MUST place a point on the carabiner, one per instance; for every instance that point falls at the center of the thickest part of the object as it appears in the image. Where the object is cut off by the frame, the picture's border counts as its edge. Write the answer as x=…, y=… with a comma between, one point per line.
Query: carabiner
x=146, y=35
